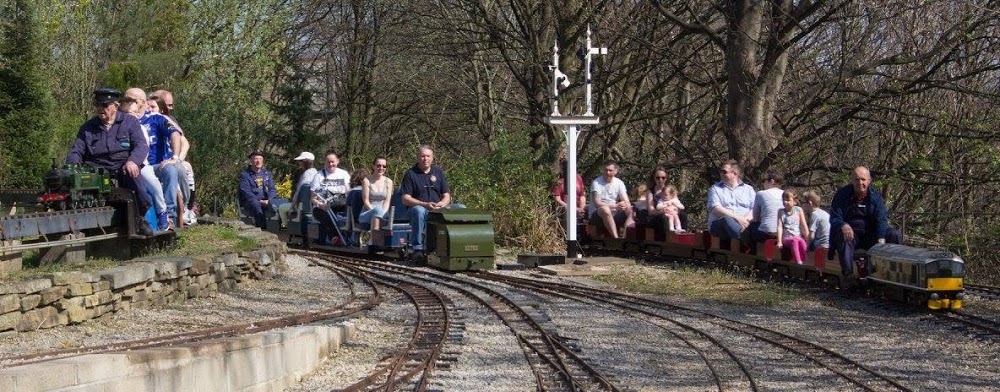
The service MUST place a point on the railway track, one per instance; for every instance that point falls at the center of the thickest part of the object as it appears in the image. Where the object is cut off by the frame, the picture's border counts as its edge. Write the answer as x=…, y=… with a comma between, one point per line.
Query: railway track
x=987, y=292
x=977, y=326
x=360, y=299
x=556, y=366
x=853, y=372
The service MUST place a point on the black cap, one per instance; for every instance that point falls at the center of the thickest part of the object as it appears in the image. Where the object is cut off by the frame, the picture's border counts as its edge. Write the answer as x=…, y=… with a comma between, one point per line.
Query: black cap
x=255, y=153
x=106, y=95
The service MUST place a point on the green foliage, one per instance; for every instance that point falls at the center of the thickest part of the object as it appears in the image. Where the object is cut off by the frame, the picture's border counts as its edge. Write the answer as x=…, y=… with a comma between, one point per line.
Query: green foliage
x=505, y=182
x=24, y=100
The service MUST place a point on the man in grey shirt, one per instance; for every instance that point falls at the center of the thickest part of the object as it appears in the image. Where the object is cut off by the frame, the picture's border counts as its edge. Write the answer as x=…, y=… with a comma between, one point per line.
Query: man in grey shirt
x=765, y=208
x=819, y=221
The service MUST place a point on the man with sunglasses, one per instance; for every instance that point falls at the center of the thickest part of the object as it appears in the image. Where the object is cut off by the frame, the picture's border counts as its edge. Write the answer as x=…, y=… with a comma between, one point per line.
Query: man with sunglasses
x=113, y=140
x=730, y=203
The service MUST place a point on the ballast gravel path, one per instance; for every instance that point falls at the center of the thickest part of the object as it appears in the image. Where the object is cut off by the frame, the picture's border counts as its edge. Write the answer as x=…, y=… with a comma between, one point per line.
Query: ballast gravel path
x=908, y=346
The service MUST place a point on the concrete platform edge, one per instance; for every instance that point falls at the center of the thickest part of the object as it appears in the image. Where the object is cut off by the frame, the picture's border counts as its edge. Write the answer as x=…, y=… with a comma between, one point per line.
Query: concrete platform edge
x=268, y=361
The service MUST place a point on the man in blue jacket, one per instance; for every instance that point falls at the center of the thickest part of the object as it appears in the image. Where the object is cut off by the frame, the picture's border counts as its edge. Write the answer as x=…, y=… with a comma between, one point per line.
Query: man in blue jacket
x=258, y=195
x=858, y=219
x=114, y=141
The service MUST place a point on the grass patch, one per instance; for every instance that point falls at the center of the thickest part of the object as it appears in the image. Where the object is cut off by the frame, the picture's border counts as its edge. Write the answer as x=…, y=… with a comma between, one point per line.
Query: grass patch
x=192, y=241
x=712, y=284
x=209, y=239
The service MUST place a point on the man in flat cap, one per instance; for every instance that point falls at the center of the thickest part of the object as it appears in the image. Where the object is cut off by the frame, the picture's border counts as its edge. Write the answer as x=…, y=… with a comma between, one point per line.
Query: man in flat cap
x=114, y=141
x=258, y=195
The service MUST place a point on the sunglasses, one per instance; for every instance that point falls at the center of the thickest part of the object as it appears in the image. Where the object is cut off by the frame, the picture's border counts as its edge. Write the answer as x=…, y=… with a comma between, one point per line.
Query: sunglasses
x=725, y=171
x=380, y=166
x=661, y=178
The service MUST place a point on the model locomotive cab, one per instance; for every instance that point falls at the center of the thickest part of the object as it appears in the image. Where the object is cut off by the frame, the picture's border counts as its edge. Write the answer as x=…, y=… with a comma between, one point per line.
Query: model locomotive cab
x=919, y=275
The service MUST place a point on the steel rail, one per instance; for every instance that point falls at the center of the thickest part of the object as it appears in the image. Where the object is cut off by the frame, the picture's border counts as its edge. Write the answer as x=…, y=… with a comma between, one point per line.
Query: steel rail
x=818, y=354
x=562, y=363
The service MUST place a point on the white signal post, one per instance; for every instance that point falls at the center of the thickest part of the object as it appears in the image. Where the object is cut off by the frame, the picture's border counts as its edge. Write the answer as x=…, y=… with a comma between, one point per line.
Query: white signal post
x=570, y=124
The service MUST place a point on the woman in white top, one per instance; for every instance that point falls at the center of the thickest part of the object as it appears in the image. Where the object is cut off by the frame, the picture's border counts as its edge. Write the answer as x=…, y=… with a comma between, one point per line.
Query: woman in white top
x=376, y=193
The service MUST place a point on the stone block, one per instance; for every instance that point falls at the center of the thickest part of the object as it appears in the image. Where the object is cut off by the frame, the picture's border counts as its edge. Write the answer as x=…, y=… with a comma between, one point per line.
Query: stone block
x=129, y=275
x=65, y=278
x=102, y=285
x=66, y=303
x=140, y=296
x=165, y=269
x=29, y=302
x=40, y=318
x=230, y=259
x=265, y=258
x=9, y=321
x=10, y=303
x=154, y=287
x=104, y=297
x=63, y=318
x=80, y=289
x=91, y=301
x=32, y=286
x=79, y=314
x=204, y=280
x=52, y=294
x=201, y=265
x=194, y=291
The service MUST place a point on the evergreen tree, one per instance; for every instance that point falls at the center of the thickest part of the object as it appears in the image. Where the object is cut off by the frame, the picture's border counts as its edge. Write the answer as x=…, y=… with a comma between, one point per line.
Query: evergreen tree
x=25, y=103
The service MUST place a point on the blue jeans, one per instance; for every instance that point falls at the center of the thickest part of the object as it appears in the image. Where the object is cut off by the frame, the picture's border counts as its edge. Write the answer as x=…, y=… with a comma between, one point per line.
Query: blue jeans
x=168, y=177
x=726, y=228
x=845, y=249
x=418, y=221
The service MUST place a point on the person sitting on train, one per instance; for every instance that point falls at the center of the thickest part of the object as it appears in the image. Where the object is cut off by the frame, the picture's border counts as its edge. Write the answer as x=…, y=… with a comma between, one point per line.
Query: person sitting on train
x=730, y=203
x=329, y=195
x=610, y=202
x=424, y=189
x=858, y=219
x=114, y=141
x=376, y=192
x=558, y=192
x=819, y=221
x=766, y=204
x=792, y=226
x=299, y=204
x=662, y=204
x=135, y=104
x=258, y=195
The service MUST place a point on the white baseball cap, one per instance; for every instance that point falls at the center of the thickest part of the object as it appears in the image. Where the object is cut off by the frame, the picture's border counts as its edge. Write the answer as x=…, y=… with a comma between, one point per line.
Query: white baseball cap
x=306, y=155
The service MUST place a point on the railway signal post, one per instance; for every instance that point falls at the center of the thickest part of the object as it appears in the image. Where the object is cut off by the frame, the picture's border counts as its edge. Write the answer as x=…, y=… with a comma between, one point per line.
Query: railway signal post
x=570, y=125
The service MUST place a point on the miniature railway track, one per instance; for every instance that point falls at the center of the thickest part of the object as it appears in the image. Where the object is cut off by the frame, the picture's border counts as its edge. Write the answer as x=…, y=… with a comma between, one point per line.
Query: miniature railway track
x=976, y=325
x=412, y=367
x=987, y=292
x=356, y=302
x=556, y=367
x=850, y=370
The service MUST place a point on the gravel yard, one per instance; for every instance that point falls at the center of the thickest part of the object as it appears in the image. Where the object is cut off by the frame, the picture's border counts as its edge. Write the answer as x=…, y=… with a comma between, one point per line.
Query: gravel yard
x=639, y=354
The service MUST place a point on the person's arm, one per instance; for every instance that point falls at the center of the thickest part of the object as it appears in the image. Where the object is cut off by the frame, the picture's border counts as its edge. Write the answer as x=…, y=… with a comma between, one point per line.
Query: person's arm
x=248, y=192
x=677, y=202
x=185, y=146
x=407, y=190
x=314, y=191
x=272, y=190
x=881, y=216
x=388, y=196
x=623, y=200
x=140, y=148
x=558, y=191
x=649, y=204
x=79, y=147
x=365, y=184
x=803, y=225
x=781, y=227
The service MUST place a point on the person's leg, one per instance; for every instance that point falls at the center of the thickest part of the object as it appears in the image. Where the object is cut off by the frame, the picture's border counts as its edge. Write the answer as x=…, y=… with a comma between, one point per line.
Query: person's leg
x=182, y=185
x=141, y=198
x=609, y=220
x=797, y=246
x=283, y=211
x=629, y=216
x=168, y=178
x=325, y=224
x=418, y=219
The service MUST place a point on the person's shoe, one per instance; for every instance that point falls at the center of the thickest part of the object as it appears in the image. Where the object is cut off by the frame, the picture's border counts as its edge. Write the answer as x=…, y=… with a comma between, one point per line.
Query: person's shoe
x=162, y=221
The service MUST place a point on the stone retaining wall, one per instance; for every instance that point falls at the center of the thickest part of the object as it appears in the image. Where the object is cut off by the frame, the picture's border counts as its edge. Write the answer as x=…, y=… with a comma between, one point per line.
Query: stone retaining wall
x=65, y=298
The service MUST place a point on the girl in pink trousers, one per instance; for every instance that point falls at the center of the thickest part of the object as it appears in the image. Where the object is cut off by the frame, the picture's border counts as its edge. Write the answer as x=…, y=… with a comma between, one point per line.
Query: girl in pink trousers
x=793, y=228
